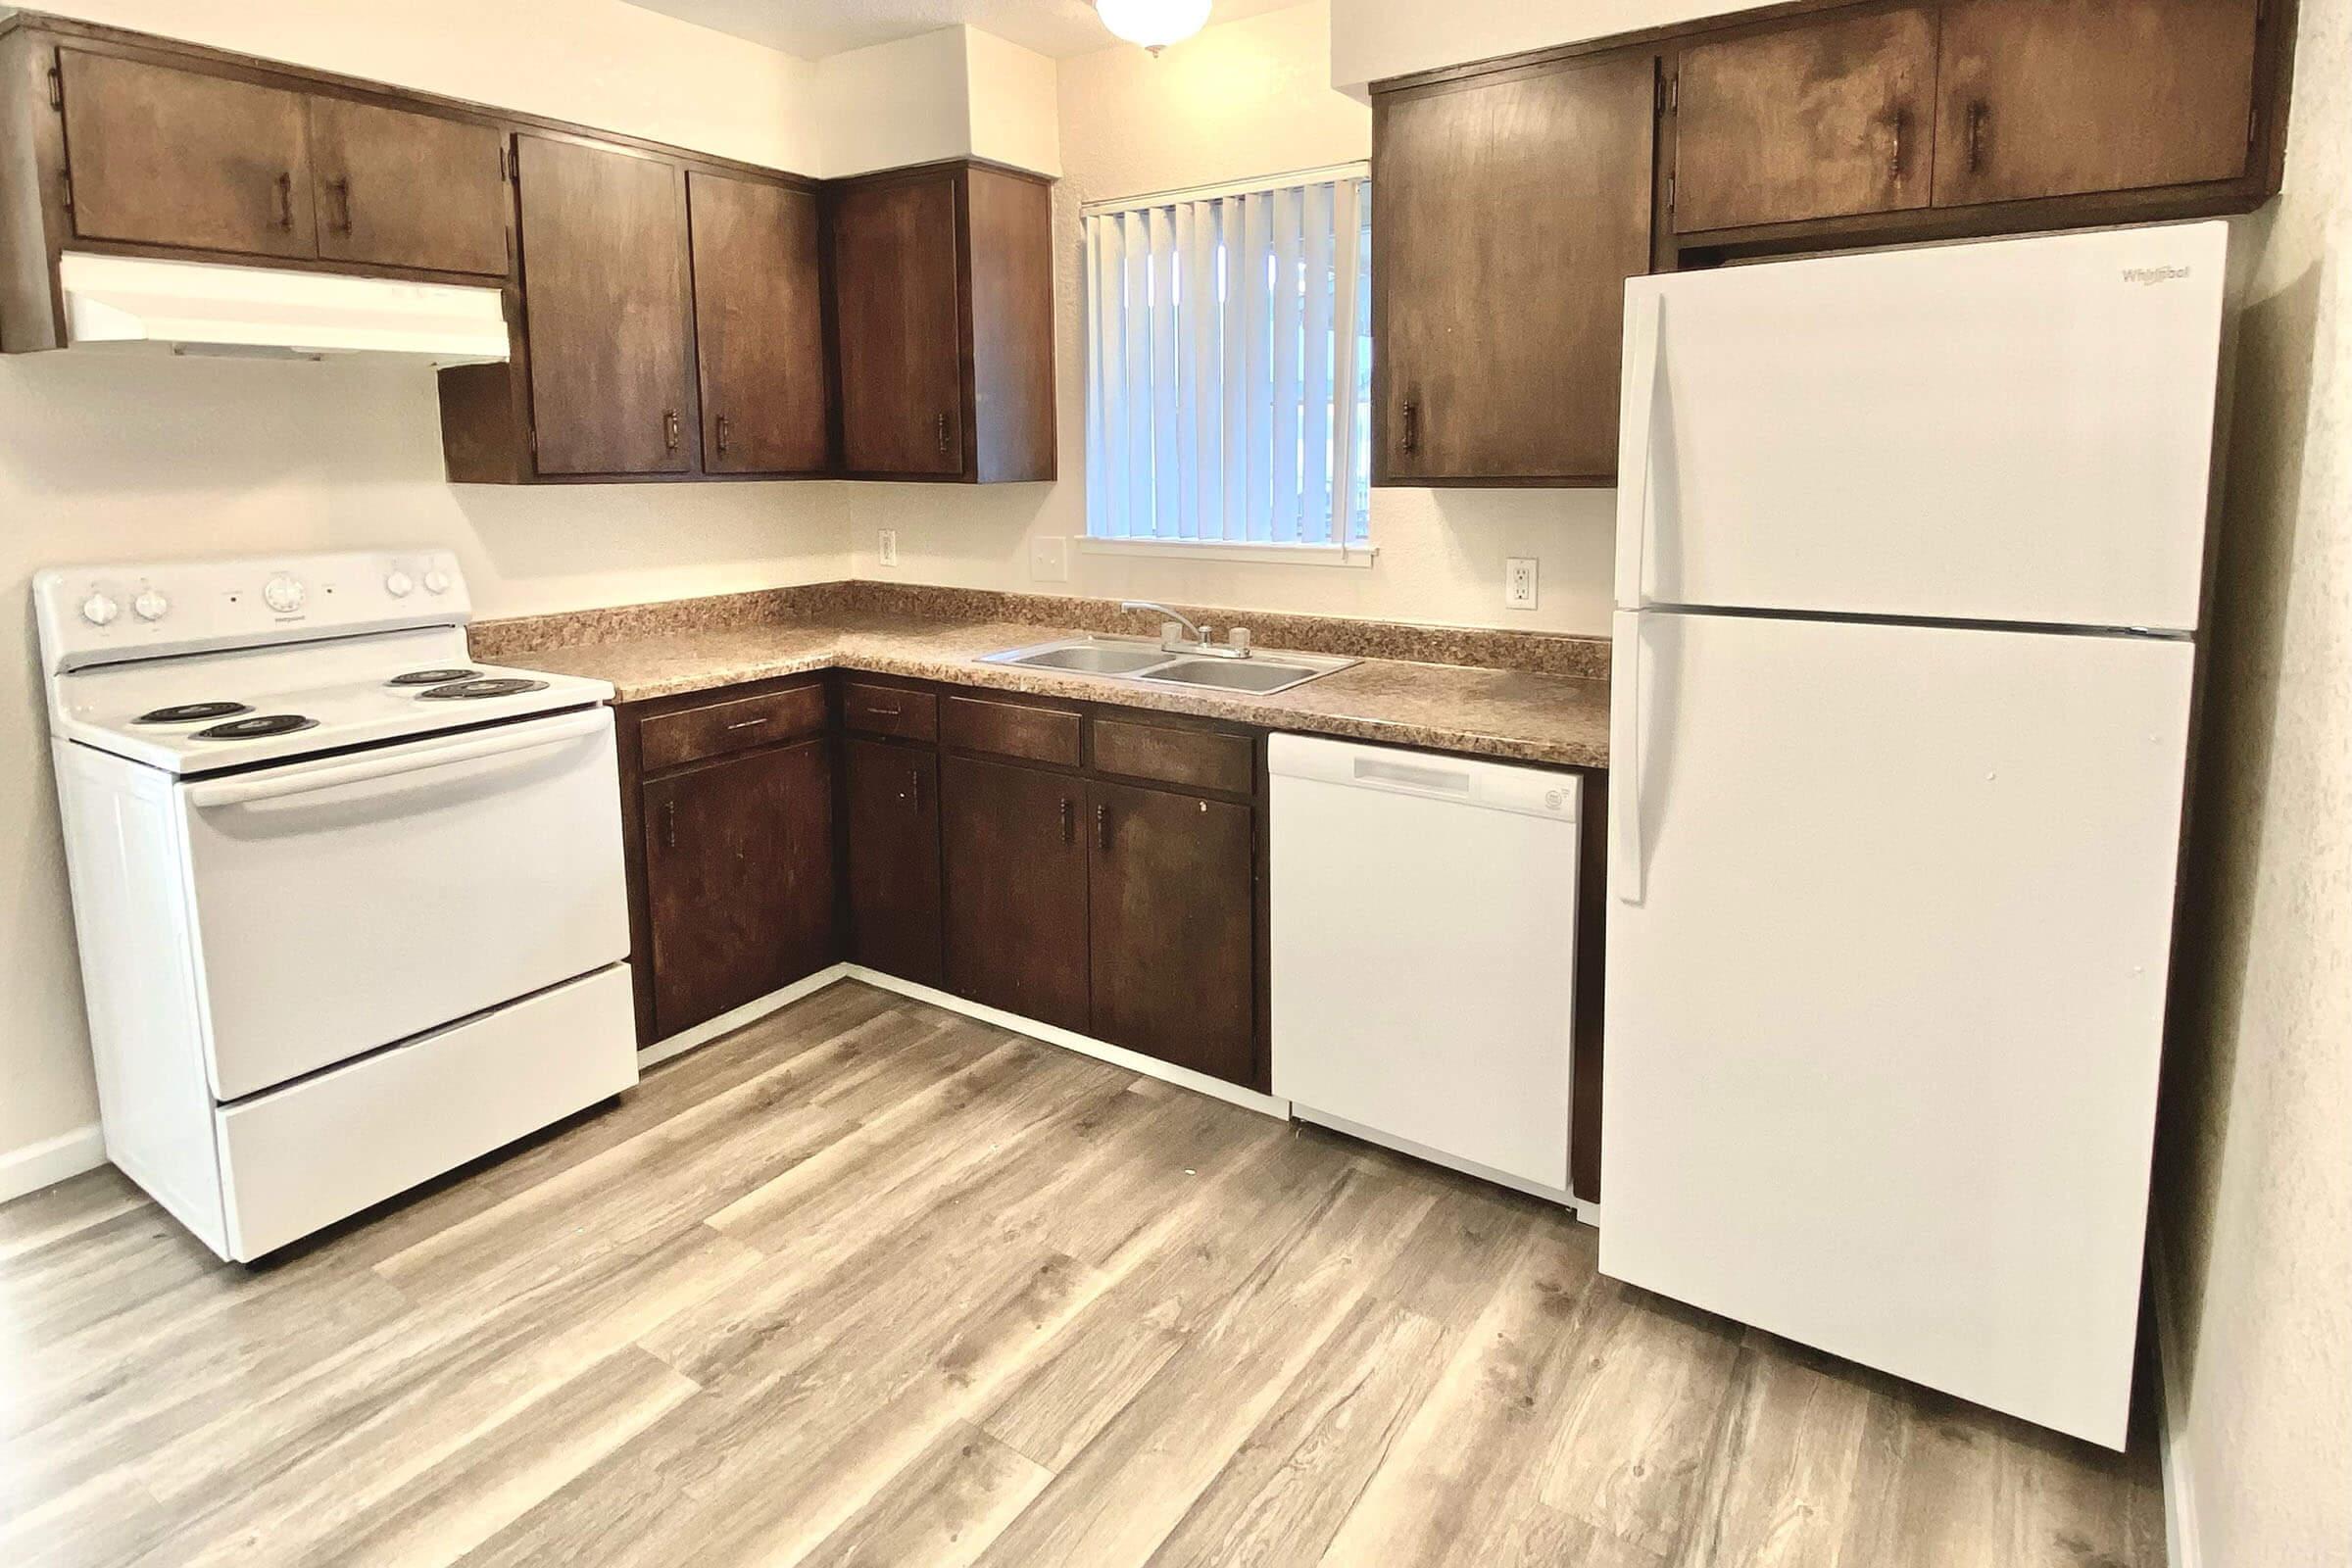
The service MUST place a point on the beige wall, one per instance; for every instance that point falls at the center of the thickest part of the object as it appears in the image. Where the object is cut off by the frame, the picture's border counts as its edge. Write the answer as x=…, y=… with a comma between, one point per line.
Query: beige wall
x=2255, y=1160
x=115, y=458
x=1372, y=40
x=1243, y=99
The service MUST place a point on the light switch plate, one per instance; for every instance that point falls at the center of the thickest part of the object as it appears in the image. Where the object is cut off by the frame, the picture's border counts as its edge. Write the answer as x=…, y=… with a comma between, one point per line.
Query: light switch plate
x=1519, y=583
x=1050, y=559
x=886, y=547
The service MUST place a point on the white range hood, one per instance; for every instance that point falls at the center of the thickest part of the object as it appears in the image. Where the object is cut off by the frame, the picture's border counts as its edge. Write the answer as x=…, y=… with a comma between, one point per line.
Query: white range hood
x=205, y=307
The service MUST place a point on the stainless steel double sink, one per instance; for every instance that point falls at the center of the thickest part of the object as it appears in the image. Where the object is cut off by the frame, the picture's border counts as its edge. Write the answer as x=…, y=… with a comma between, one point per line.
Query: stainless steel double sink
x=1142, y=660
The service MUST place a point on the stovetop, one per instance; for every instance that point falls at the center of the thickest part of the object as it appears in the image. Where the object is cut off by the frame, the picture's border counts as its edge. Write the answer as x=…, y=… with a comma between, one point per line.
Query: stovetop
x=204, y=713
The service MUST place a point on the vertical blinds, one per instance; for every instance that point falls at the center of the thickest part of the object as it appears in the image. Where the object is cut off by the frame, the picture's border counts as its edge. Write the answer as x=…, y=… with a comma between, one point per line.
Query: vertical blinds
x=1228, y=365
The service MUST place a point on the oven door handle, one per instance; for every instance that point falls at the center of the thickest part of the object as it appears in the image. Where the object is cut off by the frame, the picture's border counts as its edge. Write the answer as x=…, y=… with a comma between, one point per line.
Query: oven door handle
x=529, y=737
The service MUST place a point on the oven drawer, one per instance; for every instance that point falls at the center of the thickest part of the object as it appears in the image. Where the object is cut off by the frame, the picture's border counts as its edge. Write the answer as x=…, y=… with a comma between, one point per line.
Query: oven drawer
x=306, y=1155
x=671, y=739
x=348, y=902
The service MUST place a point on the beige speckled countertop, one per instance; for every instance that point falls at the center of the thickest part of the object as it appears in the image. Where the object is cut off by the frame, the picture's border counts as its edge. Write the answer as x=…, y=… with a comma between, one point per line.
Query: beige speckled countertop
x=1519, y=715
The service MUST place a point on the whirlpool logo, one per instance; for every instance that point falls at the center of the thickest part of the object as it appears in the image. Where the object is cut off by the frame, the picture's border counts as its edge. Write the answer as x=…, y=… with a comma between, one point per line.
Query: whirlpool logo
x=2152, y=276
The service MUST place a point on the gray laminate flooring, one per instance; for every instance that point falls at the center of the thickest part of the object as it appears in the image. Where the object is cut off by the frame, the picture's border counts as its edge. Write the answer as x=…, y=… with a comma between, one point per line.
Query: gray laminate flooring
x=870, y=1283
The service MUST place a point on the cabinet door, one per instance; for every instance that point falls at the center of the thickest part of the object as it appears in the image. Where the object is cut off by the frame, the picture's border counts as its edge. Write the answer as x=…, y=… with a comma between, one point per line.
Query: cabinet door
x=890, y=797
x=1171, y=927
x=2057, y=97
x=900, y=327
x=398, y=190
x=739, y=880
x=759, y=329
x=164, y=156
x=1813, y=120
x=604, y=279
x=1509, y=213
x=1015, y=889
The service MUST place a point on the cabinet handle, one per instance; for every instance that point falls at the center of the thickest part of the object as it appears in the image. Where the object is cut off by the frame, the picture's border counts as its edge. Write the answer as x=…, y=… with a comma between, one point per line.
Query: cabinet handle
x=1069, y=821
x=914, y=788
x=669, y=428
x=722, y=435
x=286, y=202
x=1902, y=125
x=669, y=824
x=1412, y=425
x=1101, y=827
x=879, y=711
x=748, y=723
x=1977, y=115
x=942, y=432
x=341, y=186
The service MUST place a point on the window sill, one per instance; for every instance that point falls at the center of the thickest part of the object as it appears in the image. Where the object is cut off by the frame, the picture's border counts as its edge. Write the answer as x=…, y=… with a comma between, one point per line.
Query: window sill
x=1264, y=555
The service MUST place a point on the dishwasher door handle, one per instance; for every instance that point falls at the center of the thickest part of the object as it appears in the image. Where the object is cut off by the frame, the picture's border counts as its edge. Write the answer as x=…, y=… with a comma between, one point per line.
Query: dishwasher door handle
x=1452, y=783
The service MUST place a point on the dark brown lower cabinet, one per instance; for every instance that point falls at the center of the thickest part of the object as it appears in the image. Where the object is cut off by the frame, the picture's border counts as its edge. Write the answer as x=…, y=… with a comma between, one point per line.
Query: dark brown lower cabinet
x=1016, y=888
x=889, y=797
x=739, y=879
x=1171, y=926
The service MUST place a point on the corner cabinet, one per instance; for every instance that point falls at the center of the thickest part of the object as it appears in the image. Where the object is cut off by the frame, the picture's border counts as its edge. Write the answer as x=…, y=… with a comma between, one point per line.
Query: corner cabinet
x=943, y=305
x=1510, y=208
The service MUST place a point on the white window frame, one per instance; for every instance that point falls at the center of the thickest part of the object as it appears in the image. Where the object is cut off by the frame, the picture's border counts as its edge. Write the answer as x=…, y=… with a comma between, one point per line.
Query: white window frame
x=1347, y=469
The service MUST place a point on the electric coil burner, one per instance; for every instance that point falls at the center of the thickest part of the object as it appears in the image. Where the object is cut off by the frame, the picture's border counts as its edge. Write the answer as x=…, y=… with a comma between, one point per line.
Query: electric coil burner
x=192, y=713
x=256, y=728
x=432, y=678
x=494, y=686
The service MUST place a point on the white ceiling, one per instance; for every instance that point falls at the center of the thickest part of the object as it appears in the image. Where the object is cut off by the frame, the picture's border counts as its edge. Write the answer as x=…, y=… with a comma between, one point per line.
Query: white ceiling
x=815, y=28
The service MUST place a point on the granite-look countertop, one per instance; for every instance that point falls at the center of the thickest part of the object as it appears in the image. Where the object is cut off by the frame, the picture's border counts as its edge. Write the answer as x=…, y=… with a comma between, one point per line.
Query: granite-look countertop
x=1516, y=715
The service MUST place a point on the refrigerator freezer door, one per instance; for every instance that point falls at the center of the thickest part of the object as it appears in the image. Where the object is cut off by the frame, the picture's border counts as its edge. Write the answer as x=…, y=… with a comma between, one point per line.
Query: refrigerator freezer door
x=2013, y=432
x=1882, y=1025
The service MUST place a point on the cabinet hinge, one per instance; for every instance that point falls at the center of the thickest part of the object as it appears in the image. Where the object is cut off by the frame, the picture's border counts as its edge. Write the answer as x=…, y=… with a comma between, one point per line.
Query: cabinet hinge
x=57, y=89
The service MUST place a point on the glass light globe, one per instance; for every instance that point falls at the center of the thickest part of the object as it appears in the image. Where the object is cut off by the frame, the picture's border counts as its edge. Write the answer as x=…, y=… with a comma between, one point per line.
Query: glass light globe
x=1153, y=23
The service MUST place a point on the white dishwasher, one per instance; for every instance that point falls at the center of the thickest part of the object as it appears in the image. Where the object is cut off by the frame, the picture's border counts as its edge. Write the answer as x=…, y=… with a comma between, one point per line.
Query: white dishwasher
x=1424, y=953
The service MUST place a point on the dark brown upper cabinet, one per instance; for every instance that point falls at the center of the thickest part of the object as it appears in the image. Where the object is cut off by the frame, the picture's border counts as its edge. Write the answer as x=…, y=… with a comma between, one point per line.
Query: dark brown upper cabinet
x=1510, y=210
x=399, y=189
x=162, y=157
x=606, y=303
x=1829, y=117
x=2040, y=98
x=759, y=325
x=943, y=299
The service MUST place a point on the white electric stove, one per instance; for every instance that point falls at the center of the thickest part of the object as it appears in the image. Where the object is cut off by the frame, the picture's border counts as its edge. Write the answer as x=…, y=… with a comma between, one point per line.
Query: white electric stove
x=350, y=903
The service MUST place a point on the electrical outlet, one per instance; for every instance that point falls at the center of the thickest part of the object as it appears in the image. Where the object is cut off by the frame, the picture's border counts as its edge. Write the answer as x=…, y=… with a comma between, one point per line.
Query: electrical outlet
x=1519, y=583
x=886, y=549
x=1050, y=559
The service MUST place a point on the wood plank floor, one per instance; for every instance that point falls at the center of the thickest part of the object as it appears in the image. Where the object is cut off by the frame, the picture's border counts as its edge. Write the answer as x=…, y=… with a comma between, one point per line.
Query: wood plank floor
x=868, y=1283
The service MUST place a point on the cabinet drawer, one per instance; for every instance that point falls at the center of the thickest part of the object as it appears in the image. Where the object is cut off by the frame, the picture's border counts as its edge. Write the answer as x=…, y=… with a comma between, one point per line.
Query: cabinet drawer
x=889, y=710
x=730, y=726
x=1202, y=759
x=1010, y=729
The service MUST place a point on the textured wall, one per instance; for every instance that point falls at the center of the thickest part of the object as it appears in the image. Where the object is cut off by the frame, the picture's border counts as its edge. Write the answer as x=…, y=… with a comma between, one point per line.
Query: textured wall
x=2255, y=1161
x=1243, y=99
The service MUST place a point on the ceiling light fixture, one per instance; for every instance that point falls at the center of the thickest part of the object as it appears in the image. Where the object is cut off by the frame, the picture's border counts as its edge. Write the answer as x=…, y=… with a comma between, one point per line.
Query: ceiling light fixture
x=1153, y=23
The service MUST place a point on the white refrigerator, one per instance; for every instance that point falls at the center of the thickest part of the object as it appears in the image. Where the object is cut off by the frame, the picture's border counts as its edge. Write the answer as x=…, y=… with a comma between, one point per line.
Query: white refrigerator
x=1909, y=553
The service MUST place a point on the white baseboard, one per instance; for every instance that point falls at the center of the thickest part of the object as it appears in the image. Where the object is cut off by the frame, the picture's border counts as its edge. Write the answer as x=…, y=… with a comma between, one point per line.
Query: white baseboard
x=1438, y=1157
x=1084, y=1045
x=37, y=1165
x=2181, y=1541
x=727, y=1023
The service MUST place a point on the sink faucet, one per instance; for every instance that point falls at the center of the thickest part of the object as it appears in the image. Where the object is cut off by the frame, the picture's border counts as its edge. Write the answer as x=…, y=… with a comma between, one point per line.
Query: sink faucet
x=1204, y=639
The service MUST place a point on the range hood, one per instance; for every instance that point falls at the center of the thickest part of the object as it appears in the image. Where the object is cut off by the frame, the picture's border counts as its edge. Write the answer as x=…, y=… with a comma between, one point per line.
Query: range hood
x=206, y=307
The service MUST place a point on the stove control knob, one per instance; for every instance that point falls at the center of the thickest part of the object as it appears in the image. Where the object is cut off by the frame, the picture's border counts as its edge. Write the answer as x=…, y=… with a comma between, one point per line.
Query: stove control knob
x=99, y=610
x=149, y=605
x=436, y=581
x=283, y=594
x=399, y=585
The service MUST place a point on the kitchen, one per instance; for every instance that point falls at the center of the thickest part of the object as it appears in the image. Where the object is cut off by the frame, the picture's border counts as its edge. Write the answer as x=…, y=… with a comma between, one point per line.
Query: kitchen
x=245, y=458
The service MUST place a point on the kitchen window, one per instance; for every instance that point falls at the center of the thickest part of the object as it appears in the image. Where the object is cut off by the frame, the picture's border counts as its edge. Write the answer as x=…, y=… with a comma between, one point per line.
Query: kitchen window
x=1229, y=370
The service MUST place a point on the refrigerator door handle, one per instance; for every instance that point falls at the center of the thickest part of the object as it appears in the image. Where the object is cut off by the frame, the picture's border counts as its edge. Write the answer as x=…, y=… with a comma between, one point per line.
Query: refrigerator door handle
x=1644, y=337
x=1626, y=872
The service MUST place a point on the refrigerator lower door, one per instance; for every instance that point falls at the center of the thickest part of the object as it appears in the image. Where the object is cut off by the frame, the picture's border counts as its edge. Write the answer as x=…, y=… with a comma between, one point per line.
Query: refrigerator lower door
x=2017, y=430
x=1889, y=920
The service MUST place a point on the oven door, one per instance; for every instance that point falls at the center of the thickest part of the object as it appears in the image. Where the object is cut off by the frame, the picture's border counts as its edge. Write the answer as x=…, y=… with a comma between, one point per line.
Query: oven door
x=346, y=903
